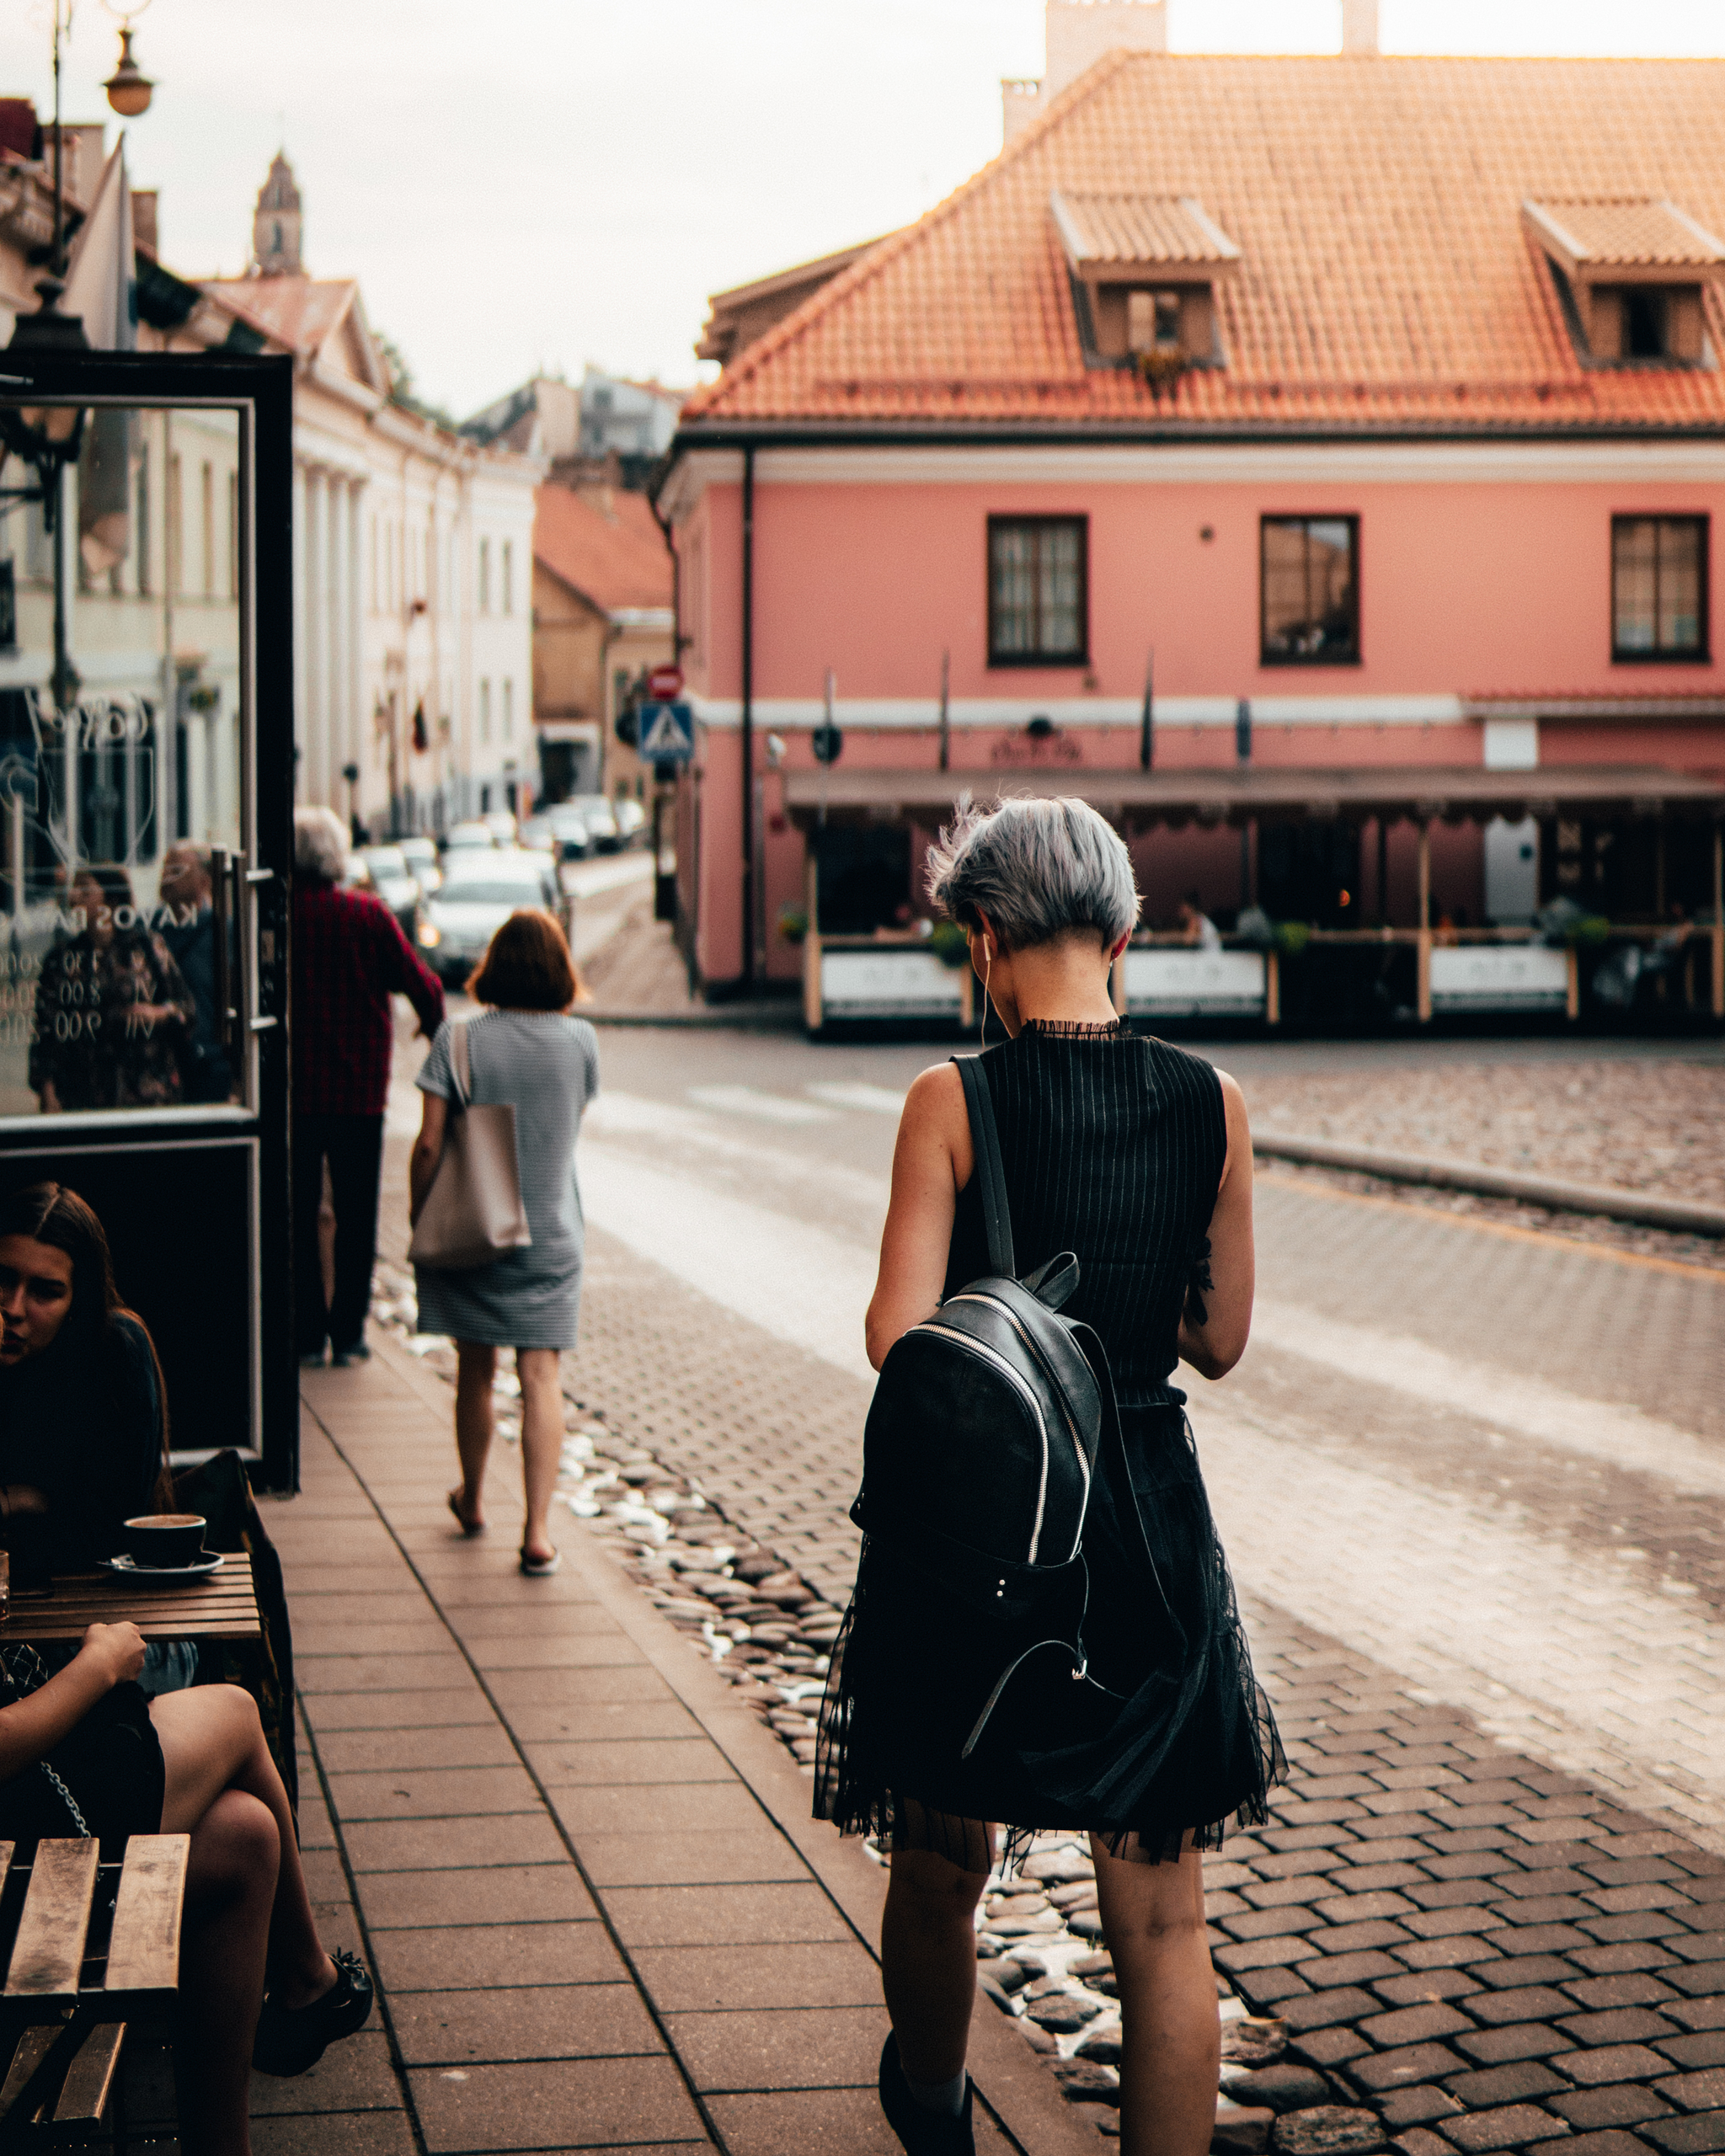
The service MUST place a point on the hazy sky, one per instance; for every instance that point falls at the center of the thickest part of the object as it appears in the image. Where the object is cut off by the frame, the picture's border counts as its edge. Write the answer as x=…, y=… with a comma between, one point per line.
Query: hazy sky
x=521, y=183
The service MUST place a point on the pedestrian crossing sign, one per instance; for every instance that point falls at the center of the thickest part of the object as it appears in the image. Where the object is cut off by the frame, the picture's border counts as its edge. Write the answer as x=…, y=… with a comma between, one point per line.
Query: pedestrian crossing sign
x=667, y=733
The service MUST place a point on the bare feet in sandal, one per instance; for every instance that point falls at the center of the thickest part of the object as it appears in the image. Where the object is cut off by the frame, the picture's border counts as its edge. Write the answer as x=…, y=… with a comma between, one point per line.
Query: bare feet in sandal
x=470, y=1522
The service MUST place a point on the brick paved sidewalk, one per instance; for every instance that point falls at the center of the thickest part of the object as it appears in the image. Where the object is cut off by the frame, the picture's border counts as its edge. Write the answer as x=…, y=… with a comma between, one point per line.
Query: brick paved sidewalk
x=1488, y=1953
x=598, y=1913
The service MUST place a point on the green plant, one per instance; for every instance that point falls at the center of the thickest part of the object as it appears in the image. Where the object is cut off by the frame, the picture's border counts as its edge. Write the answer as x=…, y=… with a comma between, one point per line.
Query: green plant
x=1292, y=938
x=792, y=923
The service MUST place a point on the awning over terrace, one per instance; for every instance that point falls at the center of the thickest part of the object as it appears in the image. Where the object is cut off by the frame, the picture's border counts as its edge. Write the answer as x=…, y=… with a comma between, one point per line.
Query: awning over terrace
x=1267, y=793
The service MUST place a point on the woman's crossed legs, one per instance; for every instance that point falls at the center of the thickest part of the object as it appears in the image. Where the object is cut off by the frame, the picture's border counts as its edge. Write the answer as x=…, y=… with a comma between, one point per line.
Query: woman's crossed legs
x=247, y=1912
x=1153, y=1914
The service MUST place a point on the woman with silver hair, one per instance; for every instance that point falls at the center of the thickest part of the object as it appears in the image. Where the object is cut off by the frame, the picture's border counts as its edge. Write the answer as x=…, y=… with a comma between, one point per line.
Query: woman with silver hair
x=1136, y=1157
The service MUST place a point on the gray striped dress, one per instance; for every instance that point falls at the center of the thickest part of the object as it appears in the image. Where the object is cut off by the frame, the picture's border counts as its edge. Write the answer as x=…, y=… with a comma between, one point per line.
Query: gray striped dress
x=546, y=1066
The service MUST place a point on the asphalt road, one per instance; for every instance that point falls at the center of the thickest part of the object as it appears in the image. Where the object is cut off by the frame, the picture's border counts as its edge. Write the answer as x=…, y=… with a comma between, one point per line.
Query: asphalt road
x=1493, y=1460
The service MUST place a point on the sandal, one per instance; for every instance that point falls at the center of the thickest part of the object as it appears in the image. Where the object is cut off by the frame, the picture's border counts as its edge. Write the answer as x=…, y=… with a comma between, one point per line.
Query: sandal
x=540, y=1568
x=469, y=1527
x=291, y=2039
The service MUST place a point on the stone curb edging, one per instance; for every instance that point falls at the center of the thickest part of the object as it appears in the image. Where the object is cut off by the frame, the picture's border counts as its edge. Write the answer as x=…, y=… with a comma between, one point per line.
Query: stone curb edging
x=1602, y=1198
x=1011, y=2079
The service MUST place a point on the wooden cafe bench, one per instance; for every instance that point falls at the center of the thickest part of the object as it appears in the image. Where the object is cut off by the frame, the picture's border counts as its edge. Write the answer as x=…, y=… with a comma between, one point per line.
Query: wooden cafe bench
x=88, y=1947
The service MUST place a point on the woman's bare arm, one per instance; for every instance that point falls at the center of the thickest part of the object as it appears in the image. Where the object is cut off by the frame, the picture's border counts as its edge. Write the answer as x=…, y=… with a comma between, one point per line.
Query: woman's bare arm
x=931, y=1162
x=1213, y=1348
x=30, y=1731
x=428, y=1151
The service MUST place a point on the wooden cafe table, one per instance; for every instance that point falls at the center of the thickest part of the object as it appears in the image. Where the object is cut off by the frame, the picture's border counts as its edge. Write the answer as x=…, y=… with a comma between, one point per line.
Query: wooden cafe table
x=223, y=1605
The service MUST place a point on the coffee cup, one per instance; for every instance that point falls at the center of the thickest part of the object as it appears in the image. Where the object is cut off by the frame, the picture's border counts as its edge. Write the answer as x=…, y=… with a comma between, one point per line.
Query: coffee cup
x=161, y=1539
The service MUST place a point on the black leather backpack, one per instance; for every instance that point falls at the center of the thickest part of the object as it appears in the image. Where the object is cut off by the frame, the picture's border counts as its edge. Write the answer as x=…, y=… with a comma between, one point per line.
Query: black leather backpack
x=982, y=1438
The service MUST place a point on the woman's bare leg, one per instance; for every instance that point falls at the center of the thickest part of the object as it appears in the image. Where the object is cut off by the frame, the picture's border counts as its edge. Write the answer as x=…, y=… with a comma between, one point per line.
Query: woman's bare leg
x=212, y=1743
x=1171, y=2043
x=476, y=1366
x=231, y=1882
x=928, y=1946
x=540, y=1370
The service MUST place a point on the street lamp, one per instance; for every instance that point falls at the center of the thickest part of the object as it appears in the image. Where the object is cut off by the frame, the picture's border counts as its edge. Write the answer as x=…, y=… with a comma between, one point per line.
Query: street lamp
x=128, y=88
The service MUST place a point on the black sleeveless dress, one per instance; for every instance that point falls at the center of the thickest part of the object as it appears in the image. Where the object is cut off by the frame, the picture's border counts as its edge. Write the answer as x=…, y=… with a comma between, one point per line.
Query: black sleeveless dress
x=1114, y=1146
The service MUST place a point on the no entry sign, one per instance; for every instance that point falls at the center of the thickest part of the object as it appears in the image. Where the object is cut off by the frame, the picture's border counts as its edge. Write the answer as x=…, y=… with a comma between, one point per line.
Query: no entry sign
x=665, y=684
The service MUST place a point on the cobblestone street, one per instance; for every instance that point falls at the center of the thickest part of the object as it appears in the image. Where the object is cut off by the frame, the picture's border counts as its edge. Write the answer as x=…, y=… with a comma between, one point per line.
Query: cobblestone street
x=1471, y=1479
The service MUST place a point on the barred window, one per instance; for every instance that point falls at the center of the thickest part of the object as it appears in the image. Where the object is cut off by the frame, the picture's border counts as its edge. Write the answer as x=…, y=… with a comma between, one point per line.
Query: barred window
x=1038, y=596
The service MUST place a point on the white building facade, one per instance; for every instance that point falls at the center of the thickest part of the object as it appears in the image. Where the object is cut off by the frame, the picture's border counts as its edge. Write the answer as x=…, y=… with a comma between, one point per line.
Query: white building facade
x=412, y=558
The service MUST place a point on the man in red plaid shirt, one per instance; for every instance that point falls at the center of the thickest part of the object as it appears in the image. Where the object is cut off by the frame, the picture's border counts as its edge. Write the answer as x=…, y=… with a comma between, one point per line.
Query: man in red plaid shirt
x=349, y=955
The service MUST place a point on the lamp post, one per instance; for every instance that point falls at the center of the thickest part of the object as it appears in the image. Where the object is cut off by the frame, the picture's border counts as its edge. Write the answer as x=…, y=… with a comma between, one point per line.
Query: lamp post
x=47, y=437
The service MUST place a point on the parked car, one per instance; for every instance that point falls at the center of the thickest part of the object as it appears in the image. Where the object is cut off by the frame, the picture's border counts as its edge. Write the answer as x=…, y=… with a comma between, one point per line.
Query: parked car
x=596, y=813
x=480, y=891
x=389, y=874
x=630, y=821
x=559, y=829
x=467, y=838
x=420, y=854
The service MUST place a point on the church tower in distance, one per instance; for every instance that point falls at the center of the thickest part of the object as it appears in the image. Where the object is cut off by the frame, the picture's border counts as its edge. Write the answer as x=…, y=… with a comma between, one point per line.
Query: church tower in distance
x=275, y=228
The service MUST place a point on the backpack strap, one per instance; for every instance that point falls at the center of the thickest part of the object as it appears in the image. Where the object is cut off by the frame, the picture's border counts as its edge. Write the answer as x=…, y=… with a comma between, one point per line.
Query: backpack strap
x=991, y=1174
x=459, y=1069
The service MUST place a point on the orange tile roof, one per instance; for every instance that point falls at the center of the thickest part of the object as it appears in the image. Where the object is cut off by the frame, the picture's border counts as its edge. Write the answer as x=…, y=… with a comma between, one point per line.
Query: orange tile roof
x=1386, y=279
x=616, y=560
x=1630, y=234
x=1115, y=227
x=296, y=312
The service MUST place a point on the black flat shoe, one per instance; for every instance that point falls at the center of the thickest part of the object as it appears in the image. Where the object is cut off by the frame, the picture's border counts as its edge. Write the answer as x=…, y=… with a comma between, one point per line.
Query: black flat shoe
x=924, y=2133
x=291, y=2039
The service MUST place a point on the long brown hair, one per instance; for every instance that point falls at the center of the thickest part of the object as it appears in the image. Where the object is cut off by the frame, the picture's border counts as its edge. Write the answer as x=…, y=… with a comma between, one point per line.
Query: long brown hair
x=49, y=1212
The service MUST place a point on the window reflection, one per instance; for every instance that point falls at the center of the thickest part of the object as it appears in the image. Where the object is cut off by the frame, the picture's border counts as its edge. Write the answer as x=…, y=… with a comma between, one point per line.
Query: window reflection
x=112, y=987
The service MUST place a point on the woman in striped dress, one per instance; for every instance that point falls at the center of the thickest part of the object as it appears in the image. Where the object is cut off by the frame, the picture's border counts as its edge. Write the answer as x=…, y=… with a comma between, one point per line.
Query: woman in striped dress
x=1137, y=1158
x=526, y=1048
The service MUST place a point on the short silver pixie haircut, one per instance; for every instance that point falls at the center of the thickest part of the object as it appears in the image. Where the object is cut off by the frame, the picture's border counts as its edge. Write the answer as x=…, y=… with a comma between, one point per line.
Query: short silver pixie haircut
x=319, y=844
x=1038, y=868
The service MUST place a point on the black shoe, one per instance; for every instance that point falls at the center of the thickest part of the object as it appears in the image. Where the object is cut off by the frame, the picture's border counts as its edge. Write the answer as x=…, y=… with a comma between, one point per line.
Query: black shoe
x=923, y=2132
x=344, y=1358
x=291, y=2039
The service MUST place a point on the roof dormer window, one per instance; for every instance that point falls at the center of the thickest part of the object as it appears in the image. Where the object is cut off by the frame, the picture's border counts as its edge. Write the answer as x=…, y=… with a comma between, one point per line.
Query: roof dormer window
x=1144, y=270
x=1632, y=272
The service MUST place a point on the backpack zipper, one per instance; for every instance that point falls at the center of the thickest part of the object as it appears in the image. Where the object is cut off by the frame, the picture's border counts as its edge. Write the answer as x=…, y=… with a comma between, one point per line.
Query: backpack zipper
x=1018, y=1327
x=993, y=1355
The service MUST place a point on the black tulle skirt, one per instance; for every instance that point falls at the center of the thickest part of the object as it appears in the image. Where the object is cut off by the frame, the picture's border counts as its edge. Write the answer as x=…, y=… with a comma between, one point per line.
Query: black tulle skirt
x=1169, y=1743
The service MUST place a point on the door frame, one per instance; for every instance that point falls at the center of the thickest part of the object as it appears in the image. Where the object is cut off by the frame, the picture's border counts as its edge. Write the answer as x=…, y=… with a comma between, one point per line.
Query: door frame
x=258, y=388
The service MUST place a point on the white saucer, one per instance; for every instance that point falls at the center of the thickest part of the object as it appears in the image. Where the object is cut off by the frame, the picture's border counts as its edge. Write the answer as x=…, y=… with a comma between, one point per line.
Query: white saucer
x=198, y=1569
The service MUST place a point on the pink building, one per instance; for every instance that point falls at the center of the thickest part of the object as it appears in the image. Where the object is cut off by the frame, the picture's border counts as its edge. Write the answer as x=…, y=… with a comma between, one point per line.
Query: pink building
x=1373, y=404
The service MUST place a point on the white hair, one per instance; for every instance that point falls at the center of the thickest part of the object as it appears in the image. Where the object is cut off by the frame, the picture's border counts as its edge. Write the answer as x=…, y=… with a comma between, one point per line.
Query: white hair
x=1038, y=868
x=319, y=844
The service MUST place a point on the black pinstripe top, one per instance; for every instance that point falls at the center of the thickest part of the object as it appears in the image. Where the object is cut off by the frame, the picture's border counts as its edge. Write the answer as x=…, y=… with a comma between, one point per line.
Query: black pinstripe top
x=1114, y=1146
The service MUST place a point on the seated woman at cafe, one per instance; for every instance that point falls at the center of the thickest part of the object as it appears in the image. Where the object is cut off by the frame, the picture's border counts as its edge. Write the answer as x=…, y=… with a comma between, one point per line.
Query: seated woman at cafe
x=86, y=1752
x=83, y=1415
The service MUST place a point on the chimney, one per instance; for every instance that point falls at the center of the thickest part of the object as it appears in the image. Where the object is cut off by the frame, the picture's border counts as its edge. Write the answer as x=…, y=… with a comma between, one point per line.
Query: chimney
x=1021, y=100
x=1359, y=25
x=1080, y=32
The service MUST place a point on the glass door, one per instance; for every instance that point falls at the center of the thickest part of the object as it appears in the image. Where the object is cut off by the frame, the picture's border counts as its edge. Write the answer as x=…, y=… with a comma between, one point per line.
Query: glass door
x=146, y=839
